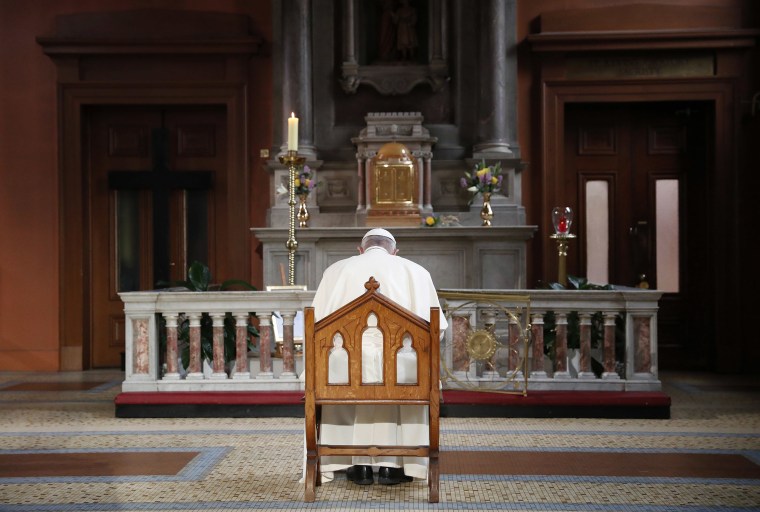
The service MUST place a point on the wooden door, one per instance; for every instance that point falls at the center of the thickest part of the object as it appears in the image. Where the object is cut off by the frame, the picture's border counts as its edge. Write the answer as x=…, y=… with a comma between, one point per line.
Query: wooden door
x=154, y=190
x=634, y=174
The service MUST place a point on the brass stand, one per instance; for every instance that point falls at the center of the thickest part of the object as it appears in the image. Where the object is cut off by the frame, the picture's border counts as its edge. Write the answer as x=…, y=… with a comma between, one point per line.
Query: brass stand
x=562, y=243
x=292, y=160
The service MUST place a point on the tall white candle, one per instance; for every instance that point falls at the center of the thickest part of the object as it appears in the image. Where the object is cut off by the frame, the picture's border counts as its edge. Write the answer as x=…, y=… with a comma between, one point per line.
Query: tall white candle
x=292, y=132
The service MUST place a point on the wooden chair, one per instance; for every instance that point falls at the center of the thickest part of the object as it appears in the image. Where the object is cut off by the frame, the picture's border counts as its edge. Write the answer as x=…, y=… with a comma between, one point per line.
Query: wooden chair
x=396, y=324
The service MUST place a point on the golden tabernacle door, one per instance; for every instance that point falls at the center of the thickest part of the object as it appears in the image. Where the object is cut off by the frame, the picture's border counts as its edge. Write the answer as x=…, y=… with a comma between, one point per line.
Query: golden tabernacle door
x=394, y=191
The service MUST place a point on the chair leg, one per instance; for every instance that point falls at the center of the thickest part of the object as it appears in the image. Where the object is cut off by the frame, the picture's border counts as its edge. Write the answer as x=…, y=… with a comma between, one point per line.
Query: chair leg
x=433, y=480
x=311, y=479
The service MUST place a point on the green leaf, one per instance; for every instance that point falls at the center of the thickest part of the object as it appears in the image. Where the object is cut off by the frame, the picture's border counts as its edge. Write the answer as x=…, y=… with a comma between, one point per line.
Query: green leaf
x=174, y=284
x=199, y=276
x=237, y=282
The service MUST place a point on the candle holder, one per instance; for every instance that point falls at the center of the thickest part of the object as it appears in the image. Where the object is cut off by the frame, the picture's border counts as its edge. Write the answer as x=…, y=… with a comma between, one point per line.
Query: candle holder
x=562, y=218
x=292, y=160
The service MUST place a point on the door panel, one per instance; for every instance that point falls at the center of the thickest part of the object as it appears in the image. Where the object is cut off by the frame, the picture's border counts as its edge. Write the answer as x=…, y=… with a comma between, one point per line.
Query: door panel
x=638, y=151
x=151, y=205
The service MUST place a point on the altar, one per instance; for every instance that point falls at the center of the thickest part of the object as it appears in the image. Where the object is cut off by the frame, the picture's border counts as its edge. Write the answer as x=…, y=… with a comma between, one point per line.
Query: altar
x=395, y=183
x=458, y=257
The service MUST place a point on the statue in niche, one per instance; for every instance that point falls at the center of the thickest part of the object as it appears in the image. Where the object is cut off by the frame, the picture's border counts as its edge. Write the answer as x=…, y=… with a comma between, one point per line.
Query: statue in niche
x=397, y=32
x=386, y=44
x=406, y=31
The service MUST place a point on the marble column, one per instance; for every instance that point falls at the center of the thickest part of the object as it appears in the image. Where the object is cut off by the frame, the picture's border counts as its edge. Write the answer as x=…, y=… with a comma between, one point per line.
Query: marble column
x=360, y=201
x=195, y=370
x=365, y=183
x=609, y=347
x=288, y=356
x=172, y=371
x=218, y=341
x=537, y=333
x=241, y=347
x=498, y=64
x=516, y=351
x=265, y=348
x=585, y=372
x=424, y=170
x=295, y=37
x=560, y=348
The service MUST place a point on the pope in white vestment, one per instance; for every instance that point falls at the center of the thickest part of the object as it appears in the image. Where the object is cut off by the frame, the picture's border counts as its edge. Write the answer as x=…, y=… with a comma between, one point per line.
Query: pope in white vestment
x=409, y=285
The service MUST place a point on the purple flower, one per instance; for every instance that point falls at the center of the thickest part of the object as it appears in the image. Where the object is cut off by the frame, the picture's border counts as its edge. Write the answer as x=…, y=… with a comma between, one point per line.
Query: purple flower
x=463, y=182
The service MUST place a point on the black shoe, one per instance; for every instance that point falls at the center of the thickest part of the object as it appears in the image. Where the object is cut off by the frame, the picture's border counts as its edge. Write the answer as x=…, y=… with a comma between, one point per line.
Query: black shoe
x=392, y=476
x=360, y=475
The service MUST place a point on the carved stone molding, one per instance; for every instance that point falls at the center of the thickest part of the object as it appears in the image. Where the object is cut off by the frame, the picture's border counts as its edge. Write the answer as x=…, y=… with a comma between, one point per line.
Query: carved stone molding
x=394, y=77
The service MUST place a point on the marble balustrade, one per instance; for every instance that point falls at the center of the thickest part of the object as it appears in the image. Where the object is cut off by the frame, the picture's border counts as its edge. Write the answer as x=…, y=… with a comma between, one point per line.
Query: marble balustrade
x=635, y=369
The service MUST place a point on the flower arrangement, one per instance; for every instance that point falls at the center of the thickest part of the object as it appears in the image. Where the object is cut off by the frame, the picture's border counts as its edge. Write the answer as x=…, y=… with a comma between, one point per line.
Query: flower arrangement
x=483, y=178
x=431, y=221
x=304, y=181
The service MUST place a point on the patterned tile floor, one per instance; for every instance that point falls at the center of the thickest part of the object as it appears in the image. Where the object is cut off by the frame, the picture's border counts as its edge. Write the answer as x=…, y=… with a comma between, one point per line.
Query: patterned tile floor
x=62, y=449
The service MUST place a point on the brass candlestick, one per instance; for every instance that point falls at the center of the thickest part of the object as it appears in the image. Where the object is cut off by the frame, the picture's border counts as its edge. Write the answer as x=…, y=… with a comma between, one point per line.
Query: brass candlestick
x=292, y=160
x=562, y=218
x=562, y=243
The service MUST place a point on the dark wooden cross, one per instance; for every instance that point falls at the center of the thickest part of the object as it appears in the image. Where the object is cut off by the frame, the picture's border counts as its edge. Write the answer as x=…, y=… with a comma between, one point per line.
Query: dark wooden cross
x=161, y=180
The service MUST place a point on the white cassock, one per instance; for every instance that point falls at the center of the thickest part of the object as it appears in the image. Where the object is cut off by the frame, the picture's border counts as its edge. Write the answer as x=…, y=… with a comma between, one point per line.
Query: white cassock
x=409, y=285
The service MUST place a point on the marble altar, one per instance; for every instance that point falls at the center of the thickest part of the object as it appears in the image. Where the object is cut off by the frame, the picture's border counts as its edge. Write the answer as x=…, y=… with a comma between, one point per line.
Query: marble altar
x=458, y=257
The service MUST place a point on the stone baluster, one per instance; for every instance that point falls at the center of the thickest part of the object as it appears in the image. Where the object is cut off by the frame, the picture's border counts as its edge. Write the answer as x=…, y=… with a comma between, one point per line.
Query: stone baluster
x=609, y=347
x=585, y=372
x=218, y=340
x=265, y=348
x=538, y=371
x=288, y=356
x=172, y=371
x=560, y=347
x=241, y=346
x=195, y=369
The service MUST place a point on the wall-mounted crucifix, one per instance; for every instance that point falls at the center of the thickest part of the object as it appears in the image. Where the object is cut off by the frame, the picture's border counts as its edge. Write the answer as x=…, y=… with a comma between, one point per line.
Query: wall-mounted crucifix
x=161, y=180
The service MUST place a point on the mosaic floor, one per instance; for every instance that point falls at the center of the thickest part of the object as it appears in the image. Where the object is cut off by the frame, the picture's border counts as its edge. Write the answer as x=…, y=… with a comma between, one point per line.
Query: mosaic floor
x=62, y=449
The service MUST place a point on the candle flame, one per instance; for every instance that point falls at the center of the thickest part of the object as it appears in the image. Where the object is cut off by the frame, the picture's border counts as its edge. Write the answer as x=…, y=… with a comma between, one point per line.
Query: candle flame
x=292, y=114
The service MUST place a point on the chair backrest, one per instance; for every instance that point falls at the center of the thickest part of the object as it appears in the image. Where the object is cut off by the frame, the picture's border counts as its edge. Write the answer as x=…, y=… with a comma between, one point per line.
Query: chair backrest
x=396, y=324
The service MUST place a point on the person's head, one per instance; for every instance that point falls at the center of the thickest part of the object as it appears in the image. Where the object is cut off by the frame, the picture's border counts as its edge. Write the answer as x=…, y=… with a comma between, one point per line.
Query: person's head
x=378, y=237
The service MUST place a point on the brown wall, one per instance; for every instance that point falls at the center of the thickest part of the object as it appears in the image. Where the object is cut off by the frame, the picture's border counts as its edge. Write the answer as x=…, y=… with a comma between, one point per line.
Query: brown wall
x=733, y=279
x=29, y=184
x=528, y=93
